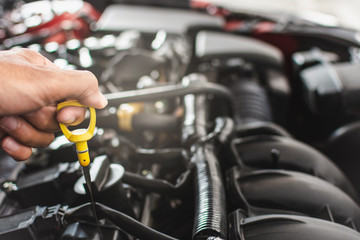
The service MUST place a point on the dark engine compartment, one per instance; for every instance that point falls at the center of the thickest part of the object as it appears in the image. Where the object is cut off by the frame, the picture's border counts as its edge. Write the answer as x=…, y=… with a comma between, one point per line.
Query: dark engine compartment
x=220, y=125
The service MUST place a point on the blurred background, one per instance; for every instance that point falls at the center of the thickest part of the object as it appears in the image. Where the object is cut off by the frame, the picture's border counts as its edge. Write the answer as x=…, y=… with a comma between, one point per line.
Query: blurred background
x=327, y=12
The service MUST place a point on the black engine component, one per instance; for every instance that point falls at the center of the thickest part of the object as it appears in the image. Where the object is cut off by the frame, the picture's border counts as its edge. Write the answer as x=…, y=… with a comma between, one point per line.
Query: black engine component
x=211, y=196
x=286, y=227
x=328, y=87
x=33, y=223
x=343, y=149
x=127, y=223
x=78, y=231
x=279, y=191
x=275, y=152
x=250, y=102
x=28, y=188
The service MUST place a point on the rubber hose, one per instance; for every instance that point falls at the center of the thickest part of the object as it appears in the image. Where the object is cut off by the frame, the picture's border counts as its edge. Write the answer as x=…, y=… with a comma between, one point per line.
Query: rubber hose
x=157, y=185
x=250, y=102
x=210, y=205
x=123, y=221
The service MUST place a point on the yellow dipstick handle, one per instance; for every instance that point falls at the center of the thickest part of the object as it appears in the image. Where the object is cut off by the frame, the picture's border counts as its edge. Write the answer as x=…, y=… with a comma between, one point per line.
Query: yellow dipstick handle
x=79, y=136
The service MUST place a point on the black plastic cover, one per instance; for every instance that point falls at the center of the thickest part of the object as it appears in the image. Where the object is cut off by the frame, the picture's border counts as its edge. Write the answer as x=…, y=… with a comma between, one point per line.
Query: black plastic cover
x=35, y=223
x=280, y=191
x=277, y=152
x=286, y=227
x=329, y=88
x=52, y=182
x=207, y=46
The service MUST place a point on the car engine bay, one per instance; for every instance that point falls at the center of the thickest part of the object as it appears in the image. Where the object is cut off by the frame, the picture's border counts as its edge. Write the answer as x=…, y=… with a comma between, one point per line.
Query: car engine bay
x=220, y=125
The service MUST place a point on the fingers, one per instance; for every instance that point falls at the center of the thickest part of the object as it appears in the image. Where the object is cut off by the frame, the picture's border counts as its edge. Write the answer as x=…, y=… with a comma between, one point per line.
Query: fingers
x=29, y=82
x=71, y=115
x=24, y=133
x=46, y=119
x=2, y=134
x=35, y=130
x=31, y=85
x=79, y=85
x=43, y=119
x=16, y=150
x=32, y=57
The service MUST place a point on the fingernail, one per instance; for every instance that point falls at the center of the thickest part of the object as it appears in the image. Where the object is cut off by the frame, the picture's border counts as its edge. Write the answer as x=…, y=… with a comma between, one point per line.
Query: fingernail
x=9, y=123
x=10, y=145
x=104, y=100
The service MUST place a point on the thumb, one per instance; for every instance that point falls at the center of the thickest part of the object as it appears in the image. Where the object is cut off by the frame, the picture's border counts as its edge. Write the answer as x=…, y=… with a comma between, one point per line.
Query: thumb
x=74, y=84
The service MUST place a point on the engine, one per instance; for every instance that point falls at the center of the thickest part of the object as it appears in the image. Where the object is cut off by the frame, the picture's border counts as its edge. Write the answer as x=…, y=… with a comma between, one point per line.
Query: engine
x=220, y=125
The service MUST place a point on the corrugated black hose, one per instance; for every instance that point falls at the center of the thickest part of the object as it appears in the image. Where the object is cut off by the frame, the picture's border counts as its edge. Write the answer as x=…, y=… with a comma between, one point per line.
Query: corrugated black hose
x=210, y=203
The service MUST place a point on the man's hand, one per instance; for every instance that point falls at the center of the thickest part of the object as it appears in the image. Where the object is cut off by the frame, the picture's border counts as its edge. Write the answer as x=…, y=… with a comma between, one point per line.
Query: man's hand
x=30, y=87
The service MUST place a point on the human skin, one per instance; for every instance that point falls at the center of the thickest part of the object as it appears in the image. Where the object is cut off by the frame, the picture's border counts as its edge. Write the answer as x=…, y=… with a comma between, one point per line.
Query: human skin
x=30, y=87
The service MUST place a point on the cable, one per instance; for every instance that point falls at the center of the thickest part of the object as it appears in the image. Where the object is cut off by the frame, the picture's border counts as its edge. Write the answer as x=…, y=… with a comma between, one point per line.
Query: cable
x=123, y=221
x=158, y=185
